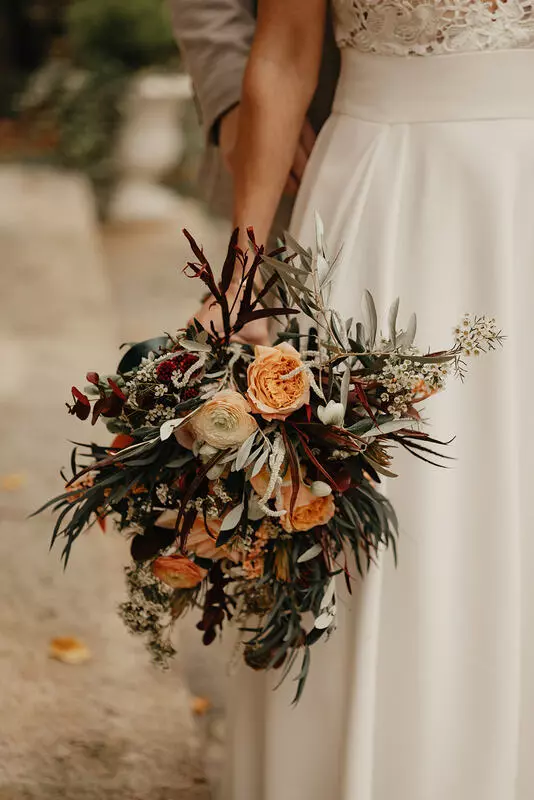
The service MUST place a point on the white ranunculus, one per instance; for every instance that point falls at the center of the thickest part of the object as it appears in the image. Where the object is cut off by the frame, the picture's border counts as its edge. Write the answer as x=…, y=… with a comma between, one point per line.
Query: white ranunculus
x=224, y=421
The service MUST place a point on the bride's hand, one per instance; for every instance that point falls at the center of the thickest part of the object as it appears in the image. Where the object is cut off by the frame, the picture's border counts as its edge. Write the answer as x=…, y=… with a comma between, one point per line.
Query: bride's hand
x=256, y=332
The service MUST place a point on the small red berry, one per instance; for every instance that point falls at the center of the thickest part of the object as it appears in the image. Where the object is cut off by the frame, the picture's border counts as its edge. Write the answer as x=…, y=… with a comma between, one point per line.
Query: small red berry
x=185, y=362
x=165, y=370
x=189, y=393
x=180, y=363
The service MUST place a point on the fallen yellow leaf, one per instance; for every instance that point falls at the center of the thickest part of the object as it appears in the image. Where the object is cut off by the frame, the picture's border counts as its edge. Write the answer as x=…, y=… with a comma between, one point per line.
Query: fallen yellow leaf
x=200, y=706
x=13, y=482
x=69, y=650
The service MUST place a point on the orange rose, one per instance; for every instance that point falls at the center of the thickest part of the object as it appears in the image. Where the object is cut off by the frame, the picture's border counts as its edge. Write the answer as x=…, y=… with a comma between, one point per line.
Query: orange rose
x=269, y=393
x=309, y=509
x=260, y=481
x=178, y=572
x=224, y=421
x=202, y=537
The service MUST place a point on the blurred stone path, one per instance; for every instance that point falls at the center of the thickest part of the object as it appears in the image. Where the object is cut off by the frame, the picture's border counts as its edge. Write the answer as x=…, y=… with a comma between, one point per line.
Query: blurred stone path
x=150, y=295
x=114, y=727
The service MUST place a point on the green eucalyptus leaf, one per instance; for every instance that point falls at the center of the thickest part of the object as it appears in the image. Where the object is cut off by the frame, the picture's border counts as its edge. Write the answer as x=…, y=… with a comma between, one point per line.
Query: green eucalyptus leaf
x=284, y=268
x=292, y=243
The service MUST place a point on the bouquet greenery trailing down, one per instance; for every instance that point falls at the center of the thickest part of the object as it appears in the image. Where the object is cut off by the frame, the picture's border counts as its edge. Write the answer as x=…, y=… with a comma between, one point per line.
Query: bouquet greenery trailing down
x=248, y=480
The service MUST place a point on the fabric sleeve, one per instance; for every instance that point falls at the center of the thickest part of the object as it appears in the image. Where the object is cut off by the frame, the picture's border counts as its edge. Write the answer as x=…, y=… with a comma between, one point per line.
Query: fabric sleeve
x=214, y=37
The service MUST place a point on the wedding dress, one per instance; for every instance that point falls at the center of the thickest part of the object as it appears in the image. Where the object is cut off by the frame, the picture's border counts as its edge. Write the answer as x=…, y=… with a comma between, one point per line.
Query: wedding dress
x=424, y=175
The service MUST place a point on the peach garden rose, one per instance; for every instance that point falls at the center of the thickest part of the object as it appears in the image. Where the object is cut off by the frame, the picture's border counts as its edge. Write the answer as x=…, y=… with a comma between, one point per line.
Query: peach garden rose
x=202, y=538
x=178, y=572
x=269, y=393
x=310, y=510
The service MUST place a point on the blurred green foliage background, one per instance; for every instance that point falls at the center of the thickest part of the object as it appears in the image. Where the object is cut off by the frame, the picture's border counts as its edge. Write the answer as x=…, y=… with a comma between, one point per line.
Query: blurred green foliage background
x=130, y=34
x=48, y=111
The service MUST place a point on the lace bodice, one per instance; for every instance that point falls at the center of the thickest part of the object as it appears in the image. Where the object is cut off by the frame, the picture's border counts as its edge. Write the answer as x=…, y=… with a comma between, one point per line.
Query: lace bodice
x=434, y=27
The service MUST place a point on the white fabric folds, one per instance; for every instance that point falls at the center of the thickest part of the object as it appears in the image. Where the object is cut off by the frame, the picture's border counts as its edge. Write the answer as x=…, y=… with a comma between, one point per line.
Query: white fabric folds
x=424, y=175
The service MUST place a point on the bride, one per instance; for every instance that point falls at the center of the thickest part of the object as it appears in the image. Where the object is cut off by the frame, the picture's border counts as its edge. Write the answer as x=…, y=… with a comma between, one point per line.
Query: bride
x=424, y=179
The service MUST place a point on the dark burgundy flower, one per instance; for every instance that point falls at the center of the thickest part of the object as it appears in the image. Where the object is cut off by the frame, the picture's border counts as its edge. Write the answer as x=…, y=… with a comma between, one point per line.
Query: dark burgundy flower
x=116, y=391
x=180, y=364
x=81, y=407
x=189, y=393
x=259, y=659
x=212, y=616
x=109, y=405
x=186, y=361
x=166, y=370
x=343, y=479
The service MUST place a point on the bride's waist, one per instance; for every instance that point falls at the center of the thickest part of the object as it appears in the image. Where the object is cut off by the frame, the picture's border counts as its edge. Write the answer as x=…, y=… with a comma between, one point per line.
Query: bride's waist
x=467, y=86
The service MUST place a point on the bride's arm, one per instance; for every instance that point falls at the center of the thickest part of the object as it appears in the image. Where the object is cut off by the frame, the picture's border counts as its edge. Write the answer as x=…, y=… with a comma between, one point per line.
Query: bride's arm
x=278, y=87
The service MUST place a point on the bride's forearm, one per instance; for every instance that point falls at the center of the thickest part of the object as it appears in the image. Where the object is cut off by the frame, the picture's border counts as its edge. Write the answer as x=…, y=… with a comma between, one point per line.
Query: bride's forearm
x=279, y=83
x=272, y=114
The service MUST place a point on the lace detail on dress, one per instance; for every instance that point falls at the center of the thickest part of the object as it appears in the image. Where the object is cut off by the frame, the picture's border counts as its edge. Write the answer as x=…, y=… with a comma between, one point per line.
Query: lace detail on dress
x=434, y=27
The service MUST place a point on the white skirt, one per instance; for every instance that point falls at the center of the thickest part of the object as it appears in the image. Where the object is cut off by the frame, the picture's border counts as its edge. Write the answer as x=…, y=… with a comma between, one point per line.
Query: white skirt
x=424, y=175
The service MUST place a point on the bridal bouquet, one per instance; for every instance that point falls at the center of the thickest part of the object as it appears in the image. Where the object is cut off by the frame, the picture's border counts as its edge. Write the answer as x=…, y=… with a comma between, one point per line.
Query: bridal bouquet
x=248, y=479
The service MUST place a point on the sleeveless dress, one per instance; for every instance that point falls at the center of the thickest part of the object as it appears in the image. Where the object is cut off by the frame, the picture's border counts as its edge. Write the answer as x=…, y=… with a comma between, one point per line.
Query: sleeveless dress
x=424, y=174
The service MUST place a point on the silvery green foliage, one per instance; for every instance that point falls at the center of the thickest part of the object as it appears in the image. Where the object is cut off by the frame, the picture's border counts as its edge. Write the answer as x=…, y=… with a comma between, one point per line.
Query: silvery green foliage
x=306, y=277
